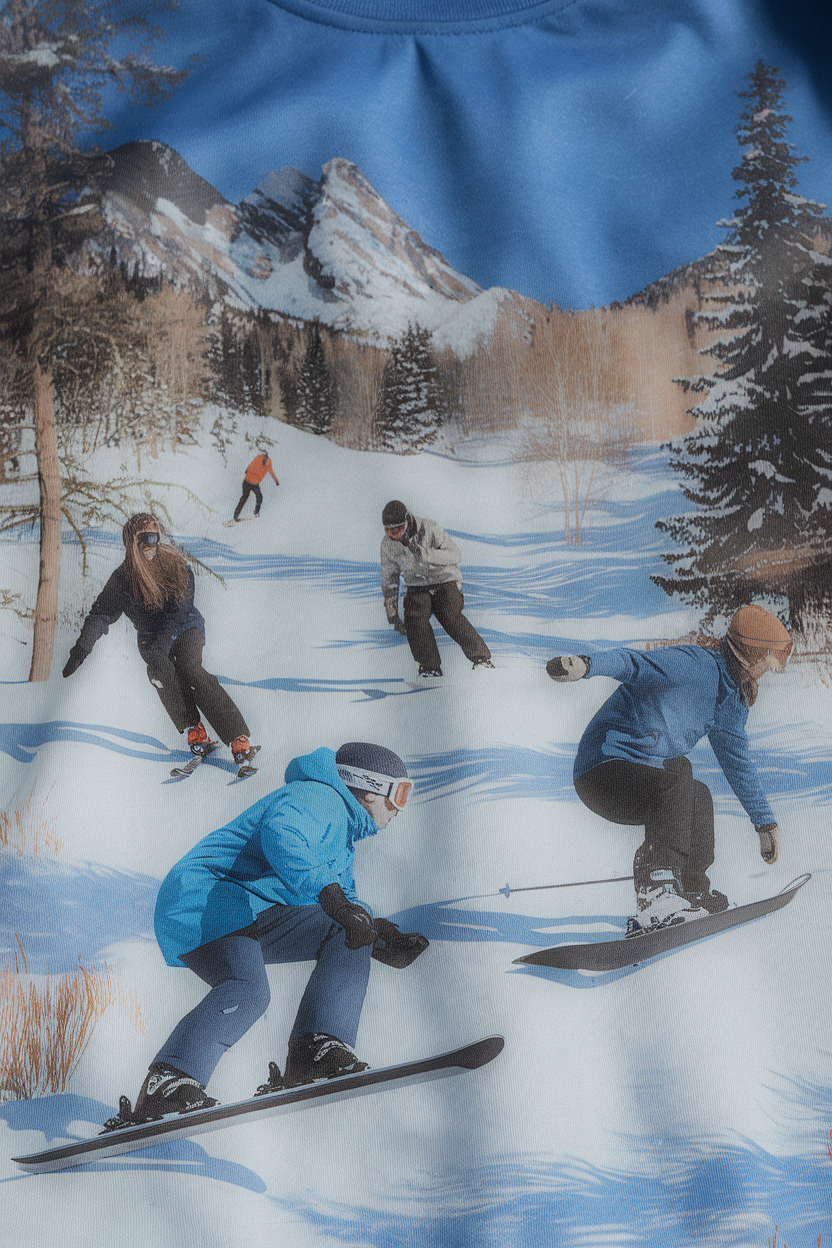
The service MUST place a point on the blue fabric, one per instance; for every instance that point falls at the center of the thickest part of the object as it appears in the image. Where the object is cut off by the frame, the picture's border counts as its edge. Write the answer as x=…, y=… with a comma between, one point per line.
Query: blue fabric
x=283, y=849
x=668, y=700
x=235, y=968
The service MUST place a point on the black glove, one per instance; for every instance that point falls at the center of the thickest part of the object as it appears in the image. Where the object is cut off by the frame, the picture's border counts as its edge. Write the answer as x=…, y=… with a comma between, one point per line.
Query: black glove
x=395, y=948
x=568, y=667
x=76, y=658
x=354, y=919
x=398, y=624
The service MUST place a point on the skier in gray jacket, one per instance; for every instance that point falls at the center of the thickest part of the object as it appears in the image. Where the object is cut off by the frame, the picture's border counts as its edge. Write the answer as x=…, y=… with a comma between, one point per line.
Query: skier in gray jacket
x=421, y=554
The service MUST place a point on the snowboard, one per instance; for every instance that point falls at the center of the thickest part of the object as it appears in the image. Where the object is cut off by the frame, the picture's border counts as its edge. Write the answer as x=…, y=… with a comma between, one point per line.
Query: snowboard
x=229, y=524
x=612, y=955
x=178, y=1126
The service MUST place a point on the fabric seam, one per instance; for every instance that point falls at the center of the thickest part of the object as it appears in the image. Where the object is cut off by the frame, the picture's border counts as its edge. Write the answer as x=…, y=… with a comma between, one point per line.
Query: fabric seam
x=404, y=28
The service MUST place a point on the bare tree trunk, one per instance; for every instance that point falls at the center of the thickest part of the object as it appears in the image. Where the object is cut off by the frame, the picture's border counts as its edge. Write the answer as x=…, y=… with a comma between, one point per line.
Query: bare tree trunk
x=49, y=477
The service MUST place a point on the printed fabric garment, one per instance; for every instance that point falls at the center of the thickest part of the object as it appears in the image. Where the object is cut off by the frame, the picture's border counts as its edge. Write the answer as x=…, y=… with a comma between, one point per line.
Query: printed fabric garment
x=556, y=274
x=668, y=700
x=282, y=850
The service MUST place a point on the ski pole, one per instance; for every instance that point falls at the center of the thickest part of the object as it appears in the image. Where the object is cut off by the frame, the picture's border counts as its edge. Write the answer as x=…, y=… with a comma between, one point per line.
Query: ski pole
x=614, y=879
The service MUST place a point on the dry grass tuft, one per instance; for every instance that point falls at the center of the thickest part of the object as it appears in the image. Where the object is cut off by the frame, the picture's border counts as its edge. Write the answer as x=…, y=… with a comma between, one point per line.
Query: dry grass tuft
x=28, y=830
x=46, y=1024
x=772, y=1241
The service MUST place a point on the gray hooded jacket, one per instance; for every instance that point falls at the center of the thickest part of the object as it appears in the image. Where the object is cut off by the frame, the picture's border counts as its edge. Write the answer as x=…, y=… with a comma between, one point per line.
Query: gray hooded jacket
x=427, y=557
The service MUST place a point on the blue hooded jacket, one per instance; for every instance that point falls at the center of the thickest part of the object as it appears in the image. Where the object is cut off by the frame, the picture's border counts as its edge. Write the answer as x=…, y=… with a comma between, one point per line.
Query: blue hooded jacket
x=669, y=699
x=282, y=850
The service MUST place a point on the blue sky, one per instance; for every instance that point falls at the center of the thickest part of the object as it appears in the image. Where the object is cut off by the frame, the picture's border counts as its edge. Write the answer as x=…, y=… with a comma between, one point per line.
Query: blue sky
x=574, y=159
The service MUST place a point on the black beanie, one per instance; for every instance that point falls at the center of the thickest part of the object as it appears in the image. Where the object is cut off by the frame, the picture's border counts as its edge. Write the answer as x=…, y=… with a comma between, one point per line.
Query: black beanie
x=362, y=755
x=394, y=514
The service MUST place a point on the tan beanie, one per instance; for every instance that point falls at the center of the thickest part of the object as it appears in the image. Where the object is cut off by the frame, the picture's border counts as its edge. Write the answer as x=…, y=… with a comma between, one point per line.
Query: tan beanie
x=754, y=632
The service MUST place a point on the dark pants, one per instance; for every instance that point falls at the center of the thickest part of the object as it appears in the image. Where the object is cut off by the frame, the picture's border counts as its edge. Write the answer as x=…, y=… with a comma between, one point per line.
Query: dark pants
x=677, y=811
x=446, y=603
x=235, y=969
x=250, y=488
x=187, y=691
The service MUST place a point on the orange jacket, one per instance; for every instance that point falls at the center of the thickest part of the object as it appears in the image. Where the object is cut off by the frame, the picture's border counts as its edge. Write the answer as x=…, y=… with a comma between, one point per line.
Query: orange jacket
x=258, y=468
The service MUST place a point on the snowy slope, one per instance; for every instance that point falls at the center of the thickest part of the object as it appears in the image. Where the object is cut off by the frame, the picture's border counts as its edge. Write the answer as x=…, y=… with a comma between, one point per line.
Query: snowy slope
x=684, y=1103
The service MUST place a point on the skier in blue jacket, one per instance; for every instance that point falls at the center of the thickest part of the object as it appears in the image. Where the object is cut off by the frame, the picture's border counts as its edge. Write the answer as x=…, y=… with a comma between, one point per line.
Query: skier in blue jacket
x=276, y=885
x=631, y=766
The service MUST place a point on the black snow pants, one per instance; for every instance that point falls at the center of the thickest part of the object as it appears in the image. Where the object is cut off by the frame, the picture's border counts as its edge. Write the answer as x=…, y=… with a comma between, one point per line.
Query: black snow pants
x=445, y=602
x=186, y=689
x=676, y=809
x=250, y=488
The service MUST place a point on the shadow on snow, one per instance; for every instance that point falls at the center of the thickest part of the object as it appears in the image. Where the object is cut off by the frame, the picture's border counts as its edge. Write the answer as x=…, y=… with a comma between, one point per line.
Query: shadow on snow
x=684, y=1194
x=59, y=1117
x=65, y=913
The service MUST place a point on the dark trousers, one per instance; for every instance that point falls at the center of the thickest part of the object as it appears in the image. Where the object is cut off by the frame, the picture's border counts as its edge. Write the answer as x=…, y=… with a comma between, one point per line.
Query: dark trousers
x=676, y=809
x=187, y=691
x=446, y=603
x=250, y=488
x=235, y=969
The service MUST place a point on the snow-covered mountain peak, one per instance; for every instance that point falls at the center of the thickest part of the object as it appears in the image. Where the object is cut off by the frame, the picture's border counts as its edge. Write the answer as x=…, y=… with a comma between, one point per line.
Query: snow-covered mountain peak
x=330, y=250
x=359, y=240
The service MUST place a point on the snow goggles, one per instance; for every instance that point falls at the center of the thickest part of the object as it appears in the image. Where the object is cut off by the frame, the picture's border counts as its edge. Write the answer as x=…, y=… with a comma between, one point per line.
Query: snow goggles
x=394, y=530
x=149, y=538
x=395, y=789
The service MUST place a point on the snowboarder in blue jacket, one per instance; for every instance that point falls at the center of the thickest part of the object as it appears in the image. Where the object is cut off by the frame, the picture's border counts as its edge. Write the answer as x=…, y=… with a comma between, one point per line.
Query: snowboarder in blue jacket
x=631, y=766
x=276, y=885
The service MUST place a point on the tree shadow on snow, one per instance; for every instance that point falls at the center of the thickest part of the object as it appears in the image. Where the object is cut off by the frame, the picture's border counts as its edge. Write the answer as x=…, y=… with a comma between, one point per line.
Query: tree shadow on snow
x=22, y=741
x=497, y=771
x=64, y=913
x=64, y=1117
x=370, y=686
x=684, y=1194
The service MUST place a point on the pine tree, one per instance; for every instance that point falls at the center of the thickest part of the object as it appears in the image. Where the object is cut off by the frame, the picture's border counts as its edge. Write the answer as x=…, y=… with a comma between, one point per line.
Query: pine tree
x=57, y=59
x=411, y=407
x=315, y=395
x=753, y=466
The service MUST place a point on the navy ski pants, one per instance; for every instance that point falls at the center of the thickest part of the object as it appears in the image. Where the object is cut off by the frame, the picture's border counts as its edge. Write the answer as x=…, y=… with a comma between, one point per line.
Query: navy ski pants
x=235, y=968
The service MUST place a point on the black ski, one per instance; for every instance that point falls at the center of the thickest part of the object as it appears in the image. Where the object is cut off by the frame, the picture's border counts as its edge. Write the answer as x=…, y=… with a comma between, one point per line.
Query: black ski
x=612, y=955
x=190, y=767
x=177, y=1126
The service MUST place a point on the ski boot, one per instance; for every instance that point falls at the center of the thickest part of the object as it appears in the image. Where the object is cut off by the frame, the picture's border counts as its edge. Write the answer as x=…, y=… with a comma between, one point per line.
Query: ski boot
x=481, y=663
x=274, y=1083
x=242, y=751
x=708, y=899
x=198, y=740
x=428, y=672
x=661, y=904
x=319, y=1056
x=165, y=1090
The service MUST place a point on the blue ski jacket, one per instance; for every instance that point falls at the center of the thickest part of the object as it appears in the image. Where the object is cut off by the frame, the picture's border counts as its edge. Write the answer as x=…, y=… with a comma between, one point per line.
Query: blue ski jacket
x=282, y=850
x=668, y=700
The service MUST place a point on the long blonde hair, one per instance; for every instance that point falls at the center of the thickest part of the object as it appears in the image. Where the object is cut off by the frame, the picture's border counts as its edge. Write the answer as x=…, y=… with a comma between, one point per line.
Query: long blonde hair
x=157, y=581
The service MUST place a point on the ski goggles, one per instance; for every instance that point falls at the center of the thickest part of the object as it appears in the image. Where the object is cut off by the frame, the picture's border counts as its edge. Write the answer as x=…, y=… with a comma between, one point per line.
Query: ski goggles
x=394, y=530
x=149, y=538
x=396, y=790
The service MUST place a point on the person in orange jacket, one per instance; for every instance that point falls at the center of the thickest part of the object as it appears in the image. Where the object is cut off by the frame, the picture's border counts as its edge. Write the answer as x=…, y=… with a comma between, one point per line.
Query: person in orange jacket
x=255, y=473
